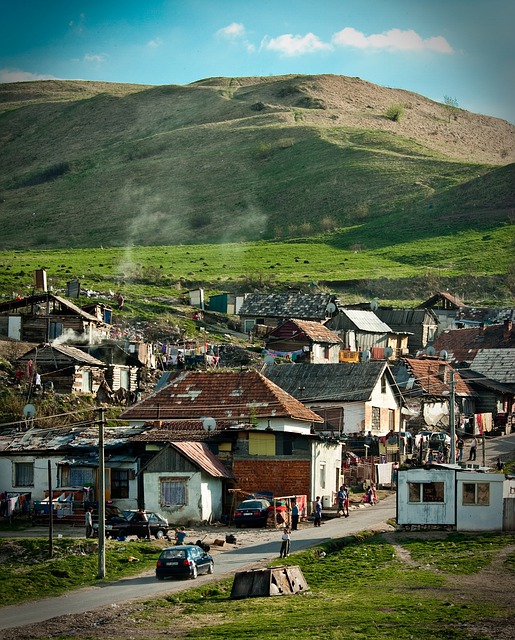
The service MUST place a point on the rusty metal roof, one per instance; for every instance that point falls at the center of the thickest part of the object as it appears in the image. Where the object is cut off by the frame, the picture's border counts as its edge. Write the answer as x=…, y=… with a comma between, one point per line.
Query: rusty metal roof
x=200, y=454
x=433, y=376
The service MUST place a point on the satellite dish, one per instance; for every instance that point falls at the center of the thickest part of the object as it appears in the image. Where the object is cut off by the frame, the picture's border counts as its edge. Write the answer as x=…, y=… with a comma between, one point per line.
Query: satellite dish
x=29, y=411
x=431, y=351
x=388, y=352
x=331, y=307
x=269, y=360
x=208, y=424
x=443, y=354
x=374, y=305
x=365, y=356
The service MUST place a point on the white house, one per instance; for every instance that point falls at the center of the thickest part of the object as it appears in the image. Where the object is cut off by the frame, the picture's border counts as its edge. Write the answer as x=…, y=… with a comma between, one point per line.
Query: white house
x=449, y=496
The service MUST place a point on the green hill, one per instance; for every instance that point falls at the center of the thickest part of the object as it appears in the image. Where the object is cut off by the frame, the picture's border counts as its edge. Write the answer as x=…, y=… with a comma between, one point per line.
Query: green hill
x=87, y=164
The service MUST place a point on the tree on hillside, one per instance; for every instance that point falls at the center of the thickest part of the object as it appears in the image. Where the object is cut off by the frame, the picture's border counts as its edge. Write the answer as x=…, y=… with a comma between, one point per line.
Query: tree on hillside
x=451, y=105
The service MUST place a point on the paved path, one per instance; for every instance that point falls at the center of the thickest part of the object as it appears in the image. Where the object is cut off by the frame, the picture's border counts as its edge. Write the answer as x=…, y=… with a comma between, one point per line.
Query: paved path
x=226, y=563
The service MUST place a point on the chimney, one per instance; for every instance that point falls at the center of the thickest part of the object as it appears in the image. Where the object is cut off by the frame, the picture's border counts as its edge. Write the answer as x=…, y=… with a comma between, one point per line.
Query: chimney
x=443, y=373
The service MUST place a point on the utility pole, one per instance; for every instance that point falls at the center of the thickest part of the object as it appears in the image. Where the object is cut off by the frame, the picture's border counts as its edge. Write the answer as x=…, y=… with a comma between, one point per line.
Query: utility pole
x=50, y=513
x=451, y=419
x=101, y=497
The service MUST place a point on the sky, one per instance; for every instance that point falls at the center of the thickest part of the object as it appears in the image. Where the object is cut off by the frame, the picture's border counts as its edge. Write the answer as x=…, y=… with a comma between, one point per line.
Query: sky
x=458, y=49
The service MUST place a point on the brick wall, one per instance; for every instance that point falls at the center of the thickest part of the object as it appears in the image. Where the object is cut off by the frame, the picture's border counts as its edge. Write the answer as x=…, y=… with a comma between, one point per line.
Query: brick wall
x=281, y=477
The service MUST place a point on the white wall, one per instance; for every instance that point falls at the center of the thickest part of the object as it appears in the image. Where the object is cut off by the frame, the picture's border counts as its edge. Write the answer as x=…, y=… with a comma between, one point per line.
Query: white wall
x=204, y=496
x=326, y=463
x=40, y=475
x=480, y=517
x=422, y=513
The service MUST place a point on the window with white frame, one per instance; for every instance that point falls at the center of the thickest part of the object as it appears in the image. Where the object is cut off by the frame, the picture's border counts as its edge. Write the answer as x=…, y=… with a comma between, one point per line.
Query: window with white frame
x=23, y=474
x=476, y=493
x=426, y=492
x=174, y=492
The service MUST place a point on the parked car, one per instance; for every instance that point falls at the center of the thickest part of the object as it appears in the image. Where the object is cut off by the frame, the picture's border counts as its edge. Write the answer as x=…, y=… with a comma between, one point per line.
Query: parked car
x=125, y=523
x=187, y=560
x=251, y=512
x=439, y=438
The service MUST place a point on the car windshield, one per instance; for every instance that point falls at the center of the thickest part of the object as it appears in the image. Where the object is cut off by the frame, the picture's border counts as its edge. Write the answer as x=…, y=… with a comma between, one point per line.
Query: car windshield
x=253, y=504
x=169, y=554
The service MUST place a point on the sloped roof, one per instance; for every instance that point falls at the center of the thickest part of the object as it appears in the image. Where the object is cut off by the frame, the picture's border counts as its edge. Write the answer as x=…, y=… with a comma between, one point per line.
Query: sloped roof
x=221, y=395
x=463, y=344
x=181, y=430
x=496, y=364
x=343, y=382
x=12, y=305
x=286, y=305
x=442, y=295
x=314, y=331
x=403, y=318
x=366, y=321
x=73, y=353
x=429, y=376
x=200, y=454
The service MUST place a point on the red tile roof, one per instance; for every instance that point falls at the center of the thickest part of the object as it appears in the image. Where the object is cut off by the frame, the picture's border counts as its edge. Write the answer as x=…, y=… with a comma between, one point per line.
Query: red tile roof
x=433, y=376
x=462, y=345
x=221, y=395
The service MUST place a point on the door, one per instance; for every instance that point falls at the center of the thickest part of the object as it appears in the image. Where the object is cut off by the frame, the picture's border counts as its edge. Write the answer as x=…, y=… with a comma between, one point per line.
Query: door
x=14, y=328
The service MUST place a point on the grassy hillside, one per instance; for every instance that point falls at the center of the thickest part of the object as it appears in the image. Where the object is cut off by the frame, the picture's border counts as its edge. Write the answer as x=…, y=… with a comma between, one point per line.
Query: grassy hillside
x=228, y=160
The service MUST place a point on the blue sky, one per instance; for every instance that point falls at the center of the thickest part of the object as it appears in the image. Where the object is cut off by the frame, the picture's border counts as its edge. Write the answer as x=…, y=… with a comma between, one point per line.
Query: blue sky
x=463, y=49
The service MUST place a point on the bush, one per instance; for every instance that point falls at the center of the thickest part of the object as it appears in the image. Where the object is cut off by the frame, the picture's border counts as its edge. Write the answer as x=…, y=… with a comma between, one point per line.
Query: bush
x=395, y=112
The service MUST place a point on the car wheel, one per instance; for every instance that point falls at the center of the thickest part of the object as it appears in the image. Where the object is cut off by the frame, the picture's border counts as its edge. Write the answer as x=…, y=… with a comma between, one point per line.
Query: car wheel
x=194, y=572
x=160, y=534
x=160, y=577
x=210, y=567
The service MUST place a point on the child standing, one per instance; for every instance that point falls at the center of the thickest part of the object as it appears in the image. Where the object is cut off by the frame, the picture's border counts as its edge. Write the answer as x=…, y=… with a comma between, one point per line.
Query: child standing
x=285, y=544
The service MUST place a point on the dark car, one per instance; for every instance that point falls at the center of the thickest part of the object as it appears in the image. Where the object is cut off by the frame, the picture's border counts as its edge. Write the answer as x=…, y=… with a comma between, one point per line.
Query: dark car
x=183, y=560
x=252, y=512
x=126, y=523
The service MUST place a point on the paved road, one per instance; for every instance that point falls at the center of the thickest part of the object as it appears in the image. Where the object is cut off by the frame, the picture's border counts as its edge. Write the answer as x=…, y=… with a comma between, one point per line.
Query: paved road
x=226, y=563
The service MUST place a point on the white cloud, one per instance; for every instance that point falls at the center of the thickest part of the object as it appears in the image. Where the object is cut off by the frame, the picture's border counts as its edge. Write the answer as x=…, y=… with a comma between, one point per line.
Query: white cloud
x=394, y=39
x=154, y=43
x=17, y=75
x=233, y=30
x=290, y=45
x=96, y=58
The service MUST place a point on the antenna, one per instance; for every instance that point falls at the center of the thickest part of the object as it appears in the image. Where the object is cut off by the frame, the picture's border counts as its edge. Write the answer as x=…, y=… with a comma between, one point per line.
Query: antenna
x=29, y=411
x=269, y=359
x=443, y=354
x=431, y=351
x=365, y=356
x=208, y=424
x=330, y=308
x=374, y=305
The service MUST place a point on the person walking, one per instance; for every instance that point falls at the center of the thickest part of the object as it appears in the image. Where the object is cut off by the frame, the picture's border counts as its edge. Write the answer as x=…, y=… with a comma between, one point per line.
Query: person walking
x=294, y=516
x=142, y=517
x=459, y=446
x=88, y=519
x=318, y=512
x=285, y=543
x=473, y=449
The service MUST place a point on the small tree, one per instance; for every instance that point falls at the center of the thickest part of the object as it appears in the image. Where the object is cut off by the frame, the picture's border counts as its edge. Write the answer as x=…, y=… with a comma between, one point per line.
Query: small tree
x=451, y=104
x=395, y=112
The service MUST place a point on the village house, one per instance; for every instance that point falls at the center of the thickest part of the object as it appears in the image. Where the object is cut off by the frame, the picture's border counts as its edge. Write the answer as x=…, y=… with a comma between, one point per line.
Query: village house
x=451, y=497
x=261, y=312
x=447, y=308
x=269, y=444
x=425, y=383
x=62, y=369
x=420, y=326
x=45, y=317
x=304, y=341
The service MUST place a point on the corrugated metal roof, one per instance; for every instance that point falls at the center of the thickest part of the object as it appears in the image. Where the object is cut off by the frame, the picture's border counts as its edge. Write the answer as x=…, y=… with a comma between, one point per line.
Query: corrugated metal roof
x=286, y=305
x=366, y=321
x=200, y=454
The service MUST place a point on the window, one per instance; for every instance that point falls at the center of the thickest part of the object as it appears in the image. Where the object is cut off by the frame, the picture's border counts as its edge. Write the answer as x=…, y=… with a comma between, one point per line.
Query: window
x=383, y=384
x=322, y=475
x=173, y=492
x=76, y=476
x=476, y=493
x=426, y=491
x=23, y=474
x=376, y=418
x=119, y=483
x=326, y=353
x=124, y=379
x=86, y=381
x=391, y=419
